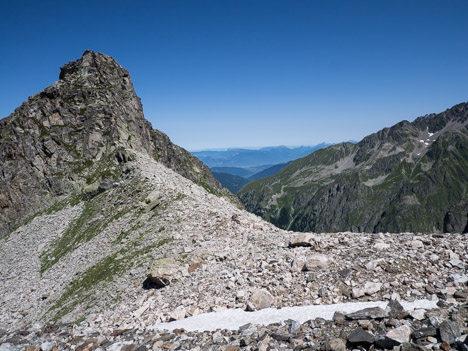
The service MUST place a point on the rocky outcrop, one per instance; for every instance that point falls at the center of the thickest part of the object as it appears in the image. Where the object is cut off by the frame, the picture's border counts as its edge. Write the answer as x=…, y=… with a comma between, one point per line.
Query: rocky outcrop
x=410, y=177
x=71, y=139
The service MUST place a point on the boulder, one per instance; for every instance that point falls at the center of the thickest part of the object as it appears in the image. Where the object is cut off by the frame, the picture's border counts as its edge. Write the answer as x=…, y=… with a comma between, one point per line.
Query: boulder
x=394, y=308
x=336, y=345
x=368, y=313
x=417, y=244
x=401, y=334
x=424, y=332
x=259, y=300
x=152, y=200
x=449, y=331
x=361, y=337
x=178, y=313
x=162, y=272
x=370, y=288
x=317, y=261
x=419, y=314
x=302, y=239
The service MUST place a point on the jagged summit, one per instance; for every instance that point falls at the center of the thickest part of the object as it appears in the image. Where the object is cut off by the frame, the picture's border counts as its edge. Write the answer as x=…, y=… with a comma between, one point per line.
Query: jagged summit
x=75, y=135
x=90, y=65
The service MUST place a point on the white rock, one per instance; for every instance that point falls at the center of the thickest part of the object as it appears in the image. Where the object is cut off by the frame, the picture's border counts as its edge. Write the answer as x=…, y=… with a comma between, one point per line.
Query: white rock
x=381, y=246
x=178, y=313
x=419, y=314
x=260, y=299
x=298, y=264
x=302, y=239
x=370, y=288
x=417, y=244
x=317, y=261
x=358, y=292
x=401, y=334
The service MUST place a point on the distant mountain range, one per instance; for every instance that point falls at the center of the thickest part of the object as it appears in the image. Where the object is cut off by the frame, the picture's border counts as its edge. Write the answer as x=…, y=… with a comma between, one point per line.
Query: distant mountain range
x=234, y=178
x=245, y=158
x=234, y=168
x=410, y=177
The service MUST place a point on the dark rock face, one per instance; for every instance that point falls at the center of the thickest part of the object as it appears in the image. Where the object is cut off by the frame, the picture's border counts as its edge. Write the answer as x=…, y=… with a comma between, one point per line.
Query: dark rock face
x=74, y=134
x=410, y=177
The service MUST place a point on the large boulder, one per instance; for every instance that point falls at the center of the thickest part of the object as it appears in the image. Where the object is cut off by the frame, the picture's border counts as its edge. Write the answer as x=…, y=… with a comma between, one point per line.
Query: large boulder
x=302, y=239
x=317, y=261
x=162, y=272
x=259, y=300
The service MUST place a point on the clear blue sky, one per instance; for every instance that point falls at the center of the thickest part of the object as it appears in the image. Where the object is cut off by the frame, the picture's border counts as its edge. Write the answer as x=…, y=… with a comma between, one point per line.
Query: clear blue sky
x=227, y=73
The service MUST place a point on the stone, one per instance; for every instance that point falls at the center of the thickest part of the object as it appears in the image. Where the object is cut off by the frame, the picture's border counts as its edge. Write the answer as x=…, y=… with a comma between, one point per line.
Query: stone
x=424, y=333
x=280, y=336
x=449, y=331
x=370, y=288
x=409, y=347
x=260, y=299
x=361, y=337
x=163, y=271
x=394, y=308
x=339, y=316
x=401, y=334
x=358, y=292
x=417, y=244
x=195, y=266
x=302, y=239
x=337, y=344
x=298, y=264
x=419, y=314
x=445, y=346
x=317, y=261
x=380, y=246
x=178, y=313
x=152, y=200
x=385, y=342
x=367, y=313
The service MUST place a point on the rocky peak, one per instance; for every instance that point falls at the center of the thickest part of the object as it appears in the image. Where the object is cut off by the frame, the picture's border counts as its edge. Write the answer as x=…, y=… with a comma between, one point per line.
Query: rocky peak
x=95, y=67
x=78, y=134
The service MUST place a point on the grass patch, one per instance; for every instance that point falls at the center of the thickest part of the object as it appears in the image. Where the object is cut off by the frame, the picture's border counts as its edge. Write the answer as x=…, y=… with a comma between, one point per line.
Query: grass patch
x=102, y=272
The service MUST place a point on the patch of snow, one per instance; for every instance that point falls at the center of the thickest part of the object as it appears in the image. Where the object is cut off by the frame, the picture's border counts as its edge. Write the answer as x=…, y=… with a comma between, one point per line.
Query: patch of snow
x=426, y=144
x=234, y=318
x=419, y=154
x=422, y=141
x=431, y=134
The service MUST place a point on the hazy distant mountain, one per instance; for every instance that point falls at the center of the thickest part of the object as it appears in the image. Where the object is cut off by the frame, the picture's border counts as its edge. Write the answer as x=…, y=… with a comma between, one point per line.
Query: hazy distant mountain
x=230, y=181
x=241, y=172
x=245, y=158
x=269, y=171
x=410, y=177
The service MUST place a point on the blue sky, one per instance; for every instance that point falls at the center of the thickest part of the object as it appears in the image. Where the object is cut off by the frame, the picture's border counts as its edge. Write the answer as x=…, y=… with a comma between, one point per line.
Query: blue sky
x=227, y=73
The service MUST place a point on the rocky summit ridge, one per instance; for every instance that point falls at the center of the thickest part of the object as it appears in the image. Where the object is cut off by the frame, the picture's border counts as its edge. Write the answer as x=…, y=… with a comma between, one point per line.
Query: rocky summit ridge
x=410, y=177
x=71, y=139
x=107, y=257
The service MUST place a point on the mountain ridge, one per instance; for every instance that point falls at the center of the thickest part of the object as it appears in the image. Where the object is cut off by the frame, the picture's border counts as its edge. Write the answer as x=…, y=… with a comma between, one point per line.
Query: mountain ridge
x=348, y=186
x=71, y=138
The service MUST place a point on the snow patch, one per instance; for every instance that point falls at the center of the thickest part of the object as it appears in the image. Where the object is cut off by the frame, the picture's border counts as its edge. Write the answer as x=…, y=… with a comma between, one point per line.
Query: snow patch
x=234, y=318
